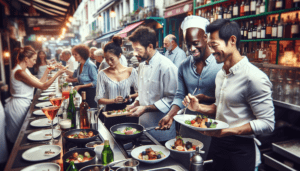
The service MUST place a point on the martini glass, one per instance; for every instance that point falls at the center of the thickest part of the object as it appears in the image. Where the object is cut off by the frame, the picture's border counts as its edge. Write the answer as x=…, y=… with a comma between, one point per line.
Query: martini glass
x=57, y=101
x=51, y=112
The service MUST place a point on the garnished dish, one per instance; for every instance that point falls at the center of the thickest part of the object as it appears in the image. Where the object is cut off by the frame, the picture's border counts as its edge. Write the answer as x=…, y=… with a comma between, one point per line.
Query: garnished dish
x=180, y=145
x=150, y=154
x=81, y=135
x=118, y=112
x=127, y=131
x=202, y=122
x=79, y=158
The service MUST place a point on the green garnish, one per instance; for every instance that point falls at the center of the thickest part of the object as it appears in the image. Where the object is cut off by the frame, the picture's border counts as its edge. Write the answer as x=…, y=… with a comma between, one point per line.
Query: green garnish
x=119, y=132
x=67, y=160
x=128, y=128
x=161, y=153
x=45, y=98
x=74, y=93
x=75, y=135
x=136, y=132
x=204, y=116
x=80, y=156
x=188, y=122
x=213, y=125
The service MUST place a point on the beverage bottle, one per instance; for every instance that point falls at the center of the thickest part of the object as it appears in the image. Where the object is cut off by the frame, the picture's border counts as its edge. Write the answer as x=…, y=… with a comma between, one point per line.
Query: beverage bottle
x=253, y=7
x=295, y=30
x=288, y=28
x=242, y=9
x=247, y=8
x=262, y=7
x=254, y=32
x=296, y=3
x=269, y=30
x=263, y=31
x=271, y=6
x=107, y=153
x=235, y=12
x=274, y=28
x=250, y=31
x=72, y=167
x=279, y=5
x=71, y=110
x=84, y=120
x=258, y=34
x=257, y=7
x=280, y=29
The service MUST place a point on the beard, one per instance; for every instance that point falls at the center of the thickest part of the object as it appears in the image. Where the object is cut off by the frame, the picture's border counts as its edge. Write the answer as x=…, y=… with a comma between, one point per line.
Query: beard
x=170, y=48
x=143, y=58
x=201, y=56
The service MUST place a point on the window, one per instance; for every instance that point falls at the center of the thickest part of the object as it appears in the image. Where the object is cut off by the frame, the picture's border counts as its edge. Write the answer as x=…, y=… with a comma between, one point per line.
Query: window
x=152, y=3
x=137, y=4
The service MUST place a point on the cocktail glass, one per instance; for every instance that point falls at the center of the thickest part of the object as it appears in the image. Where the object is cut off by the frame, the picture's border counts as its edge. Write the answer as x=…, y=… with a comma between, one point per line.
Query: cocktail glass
x=56, y=101
x=51, y=112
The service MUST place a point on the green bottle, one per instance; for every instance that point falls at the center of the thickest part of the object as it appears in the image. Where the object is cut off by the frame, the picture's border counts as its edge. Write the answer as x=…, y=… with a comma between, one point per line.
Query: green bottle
x=107, y=153
x=72, y=167
x=71, y=111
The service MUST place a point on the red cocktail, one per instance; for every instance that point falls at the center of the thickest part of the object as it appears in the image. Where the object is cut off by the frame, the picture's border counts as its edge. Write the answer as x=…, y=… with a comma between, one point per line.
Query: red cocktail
x=66, y=94
x=57, y=101
x=51, y=112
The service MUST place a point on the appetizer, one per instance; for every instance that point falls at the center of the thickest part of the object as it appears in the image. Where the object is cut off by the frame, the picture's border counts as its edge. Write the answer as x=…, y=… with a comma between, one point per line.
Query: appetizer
x=180, y=145
x=49, y=152
x=150, y=154
x=79, y=158
x=202, y=122
x=82, y=134
x=127, y=131
x=117, y=112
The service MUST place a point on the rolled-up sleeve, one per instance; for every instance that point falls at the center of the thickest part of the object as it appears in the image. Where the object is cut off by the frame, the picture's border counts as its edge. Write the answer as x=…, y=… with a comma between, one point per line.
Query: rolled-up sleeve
x=100, y=88
x=181, y=89
x=93, y=74
x=261, y=103
x=169, y=83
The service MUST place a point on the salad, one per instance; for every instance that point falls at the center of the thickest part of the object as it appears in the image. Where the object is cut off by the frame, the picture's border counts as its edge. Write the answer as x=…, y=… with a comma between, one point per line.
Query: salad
x=202, y=122
x=180, y=145
x=150, y=154
x=127, y=131
x=117, y=112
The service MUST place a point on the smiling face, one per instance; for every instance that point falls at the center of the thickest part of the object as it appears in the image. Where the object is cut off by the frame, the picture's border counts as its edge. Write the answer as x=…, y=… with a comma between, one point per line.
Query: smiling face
x=42, y=55
x=76, y=55
x=196, y=41
x=141, y=51
x=111, y=59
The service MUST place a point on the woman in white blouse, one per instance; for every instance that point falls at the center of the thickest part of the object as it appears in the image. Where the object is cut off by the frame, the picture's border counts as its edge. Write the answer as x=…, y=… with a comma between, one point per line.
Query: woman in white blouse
x=41, y=64
x=22, y=87
x=114, y=82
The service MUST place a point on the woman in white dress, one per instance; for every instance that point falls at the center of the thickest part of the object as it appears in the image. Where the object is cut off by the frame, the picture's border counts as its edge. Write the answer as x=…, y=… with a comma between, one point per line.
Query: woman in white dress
x=41, y=64
x=22, y=87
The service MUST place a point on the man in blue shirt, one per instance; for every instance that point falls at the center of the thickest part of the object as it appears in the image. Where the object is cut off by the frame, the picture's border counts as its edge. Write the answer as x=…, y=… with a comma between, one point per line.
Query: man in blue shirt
x=196, y=73
x=174, y=53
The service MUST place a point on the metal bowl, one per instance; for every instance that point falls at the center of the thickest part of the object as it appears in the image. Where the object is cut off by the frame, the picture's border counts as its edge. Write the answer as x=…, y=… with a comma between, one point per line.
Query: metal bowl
x=79, y=151
x=82, y=140
x=94, y=167
x=123, y=126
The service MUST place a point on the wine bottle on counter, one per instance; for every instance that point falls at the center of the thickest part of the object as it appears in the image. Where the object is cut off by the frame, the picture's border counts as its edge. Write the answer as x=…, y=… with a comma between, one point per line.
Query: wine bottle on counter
x=263, y=31
x=280, y=29
x=235, y=12
x=71, y=110
x=274, y=29
x=295, y=27
x=252, y=7
x=269, y=29
x=247, y=8
x=107, y=154
x=242, y=9
x=84, y=106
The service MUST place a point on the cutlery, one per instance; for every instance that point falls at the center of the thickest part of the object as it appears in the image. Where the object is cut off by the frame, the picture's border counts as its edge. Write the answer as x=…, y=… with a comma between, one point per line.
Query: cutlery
x=33, y=143
x=189, y=102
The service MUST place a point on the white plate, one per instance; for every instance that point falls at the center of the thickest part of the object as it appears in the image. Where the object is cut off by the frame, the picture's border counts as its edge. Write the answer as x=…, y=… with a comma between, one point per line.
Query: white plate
x=43, y=98
x=40, y=135
x=38, y=153
x=49, y=90
x=43, y=167
x=43, y=104
x=182, y=118
x=136, y=152
x=43, y=122
x=39, y=113
x=46, y=93
x=171, y=142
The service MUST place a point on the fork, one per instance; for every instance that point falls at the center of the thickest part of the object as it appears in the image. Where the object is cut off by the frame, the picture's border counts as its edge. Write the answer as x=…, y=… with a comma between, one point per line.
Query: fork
x=189, y=102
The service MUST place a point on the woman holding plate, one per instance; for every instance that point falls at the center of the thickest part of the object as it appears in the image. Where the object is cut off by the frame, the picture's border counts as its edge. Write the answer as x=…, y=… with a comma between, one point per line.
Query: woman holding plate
x=22, y=87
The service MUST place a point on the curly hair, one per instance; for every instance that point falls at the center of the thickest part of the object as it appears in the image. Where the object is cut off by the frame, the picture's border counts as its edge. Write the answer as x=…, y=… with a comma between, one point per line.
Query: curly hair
x=144, y=35
x=82, y=50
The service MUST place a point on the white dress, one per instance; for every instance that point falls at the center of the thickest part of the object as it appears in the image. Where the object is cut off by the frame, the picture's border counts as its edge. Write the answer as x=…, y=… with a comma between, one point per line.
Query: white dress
x=3, y=145
x=17, y=105
x=41, y=71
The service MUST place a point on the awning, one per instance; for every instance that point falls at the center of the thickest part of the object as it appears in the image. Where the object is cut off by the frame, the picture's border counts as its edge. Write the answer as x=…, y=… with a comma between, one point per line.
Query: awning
x=130, y=27
x=104, y=7
x=107, y=36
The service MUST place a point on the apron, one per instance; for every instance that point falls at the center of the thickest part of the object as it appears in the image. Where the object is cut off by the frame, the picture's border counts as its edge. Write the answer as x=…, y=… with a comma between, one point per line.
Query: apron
x=232, y=153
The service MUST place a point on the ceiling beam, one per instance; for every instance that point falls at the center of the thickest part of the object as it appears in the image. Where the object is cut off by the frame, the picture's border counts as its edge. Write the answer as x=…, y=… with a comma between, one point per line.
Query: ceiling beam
x=50, y=9
x=43, y=16
x=51, y=5
x=38, y=8
x=60, y=2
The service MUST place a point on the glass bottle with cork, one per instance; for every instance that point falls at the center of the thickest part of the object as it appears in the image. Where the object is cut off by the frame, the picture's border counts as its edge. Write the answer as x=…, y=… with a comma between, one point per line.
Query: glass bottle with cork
x=107, y=153
x=83, y=109
x=71, y=110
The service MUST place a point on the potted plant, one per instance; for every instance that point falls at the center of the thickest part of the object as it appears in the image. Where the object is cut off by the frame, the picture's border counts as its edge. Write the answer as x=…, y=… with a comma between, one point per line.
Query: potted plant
x=133, y=16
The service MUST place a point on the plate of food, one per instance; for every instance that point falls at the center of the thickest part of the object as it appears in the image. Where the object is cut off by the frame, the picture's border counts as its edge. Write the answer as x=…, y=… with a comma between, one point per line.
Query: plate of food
x=115, y=113
x=183, y=145
x=43, y=167
x=150, y=153
x=200, y=123
x=44, y=98
x=125, y=131
x=80, y=156
x=42, y=135
x=41, y=153
x=81, y=135
x=43, y=122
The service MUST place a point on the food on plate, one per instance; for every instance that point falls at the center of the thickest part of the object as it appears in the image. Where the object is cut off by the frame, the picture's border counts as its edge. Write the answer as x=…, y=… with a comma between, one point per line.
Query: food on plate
x=82, y=134
x=118, y=112
x=202, y=122
x=49, y=152
x=79, y=158
x=127, y=131
x=180, y=145
x=48, y=134
x=150, y=154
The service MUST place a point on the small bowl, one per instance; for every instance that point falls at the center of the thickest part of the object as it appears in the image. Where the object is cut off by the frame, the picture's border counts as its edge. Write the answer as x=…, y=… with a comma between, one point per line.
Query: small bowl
x=65, y=123
x=91, y=144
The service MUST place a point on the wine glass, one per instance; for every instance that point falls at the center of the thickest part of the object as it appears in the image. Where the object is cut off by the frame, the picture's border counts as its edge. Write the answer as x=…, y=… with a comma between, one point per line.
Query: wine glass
x=56, y=101
x=51, y=112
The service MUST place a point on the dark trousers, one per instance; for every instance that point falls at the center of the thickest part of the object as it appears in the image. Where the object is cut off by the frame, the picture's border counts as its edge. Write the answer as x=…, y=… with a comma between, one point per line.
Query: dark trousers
x=232, y=153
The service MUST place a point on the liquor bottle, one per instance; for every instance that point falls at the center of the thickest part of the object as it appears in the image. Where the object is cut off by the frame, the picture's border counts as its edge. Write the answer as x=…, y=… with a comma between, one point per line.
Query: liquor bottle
x=235, y=12
x=295, y=27
x=296, y=3
x=262, y=7
x=263, y=31
x=71, y=110
x=269, y=29
x=72, y=167
x=220, y=14
x=254, y=32
x=280, y=29
x=279, y=5
x=242, y=31
x=258, y=34
x=229, y=13
x=84, y=121
x=107, y=153
x=250, y=31
x=208, y=1
x=247, y=8
x=288, y=28
x=246, y=31
x=225, y=13
x=252, y=7
x=260, y=52
x=242, y=9
x=211, y=15
x=274, y=28
x=271, y=6
x=257, y=7
x=269, y=55
x=265, y=58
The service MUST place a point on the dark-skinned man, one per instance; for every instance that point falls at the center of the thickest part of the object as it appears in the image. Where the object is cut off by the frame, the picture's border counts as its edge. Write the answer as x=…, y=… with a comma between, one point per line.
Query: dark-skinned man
x=243, y=100
x=197, y=72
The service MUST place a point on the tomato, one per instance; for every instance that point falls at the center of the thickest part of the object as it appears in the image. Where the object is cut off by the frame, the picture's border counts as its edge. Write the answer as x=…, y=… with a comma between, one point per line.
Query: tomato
x=194, y=147
x=193, y=121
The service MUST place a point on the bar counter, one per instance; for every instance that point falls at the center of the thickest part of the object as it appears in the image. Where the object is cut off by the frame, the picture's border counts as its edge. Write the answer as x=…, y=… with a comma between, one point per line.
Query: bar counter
x=16, y=163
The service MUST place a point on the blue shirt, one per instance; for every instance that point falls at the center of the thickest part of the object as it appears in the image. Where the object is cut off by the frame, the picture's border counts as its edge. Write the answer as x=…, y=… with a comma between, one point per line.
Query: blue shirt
x=189, y=79
x=177, y=56
x=88, y=74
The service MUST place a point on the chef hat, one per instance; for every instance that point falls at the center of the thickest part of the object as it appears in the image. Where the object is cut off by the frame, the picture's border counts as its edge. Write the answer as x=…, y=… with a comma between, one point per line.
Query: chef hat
x=194, y=21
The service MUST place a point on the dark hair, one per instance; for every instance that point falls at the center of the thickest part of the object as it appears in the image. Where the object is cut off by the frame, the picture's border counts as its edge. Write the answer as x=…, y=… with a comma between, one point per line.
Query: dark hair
x=145, y=36
x=226, y=29
x=26, y=51
x=82, y=50
x=114, y=46
x=39, y=61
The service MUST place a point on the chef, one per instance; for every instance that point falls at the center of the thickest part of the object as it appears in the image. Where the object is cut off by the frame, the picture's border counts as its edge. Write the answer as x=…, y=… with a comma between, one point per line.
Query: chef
x=157, y=83
x=243, y=100
x=198, y=72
